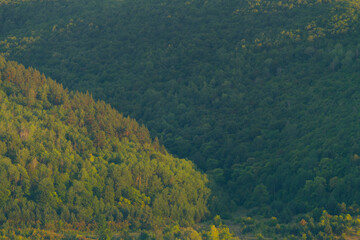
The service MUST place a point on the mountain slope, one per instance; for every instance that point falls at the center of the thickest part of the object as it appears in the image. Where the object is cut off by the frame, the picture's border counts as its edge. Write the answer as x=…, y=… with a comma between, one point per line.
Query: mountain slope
x=66, y=159
x=262, y=95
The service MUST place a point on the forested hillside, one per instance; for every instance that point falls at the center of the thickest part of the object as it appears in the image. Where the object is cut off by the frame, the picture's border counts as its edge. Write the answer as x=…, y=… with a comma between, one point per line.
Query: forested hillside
x=68, y=162
x=261, y=95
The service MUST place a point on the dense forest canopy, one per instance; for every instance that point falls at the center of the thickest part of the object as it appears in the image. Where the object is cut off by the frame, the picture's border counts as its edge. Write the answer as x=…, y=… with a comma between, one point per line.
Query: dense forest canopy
x=66, y=160
x=261, y=95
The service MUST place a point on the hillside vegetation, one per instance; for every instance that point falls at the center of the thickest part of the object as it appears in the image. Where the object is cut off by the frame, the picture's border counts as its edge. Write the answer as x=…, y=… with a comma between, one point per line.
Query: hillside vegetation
x=261, y=95
x=68, y=162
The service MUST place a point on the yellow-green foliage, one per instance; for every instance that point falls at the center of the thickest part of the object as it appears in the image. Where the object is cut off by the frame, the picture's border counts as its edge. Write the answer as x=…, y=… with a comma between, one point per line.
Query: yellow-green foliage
x=65, y=157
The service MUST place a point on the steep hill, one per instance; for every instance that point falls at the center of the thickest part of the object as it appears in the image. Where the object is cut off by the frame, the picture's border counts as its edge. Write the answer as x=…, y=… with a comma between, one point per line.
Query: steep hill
x=262, y=95
x=68, y=162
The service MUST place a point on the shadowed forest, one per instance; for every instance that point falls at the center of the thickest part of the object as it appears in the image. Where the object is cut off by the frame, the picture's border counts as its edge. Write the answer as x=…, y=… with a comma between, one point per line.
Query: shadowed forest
x=247, y=119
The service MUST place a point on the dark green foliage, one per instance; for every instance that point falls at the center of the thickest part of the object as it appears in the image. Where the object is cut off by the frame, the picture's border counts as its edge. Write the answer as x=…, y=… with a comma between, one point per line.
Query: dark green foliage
x=261, y=95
